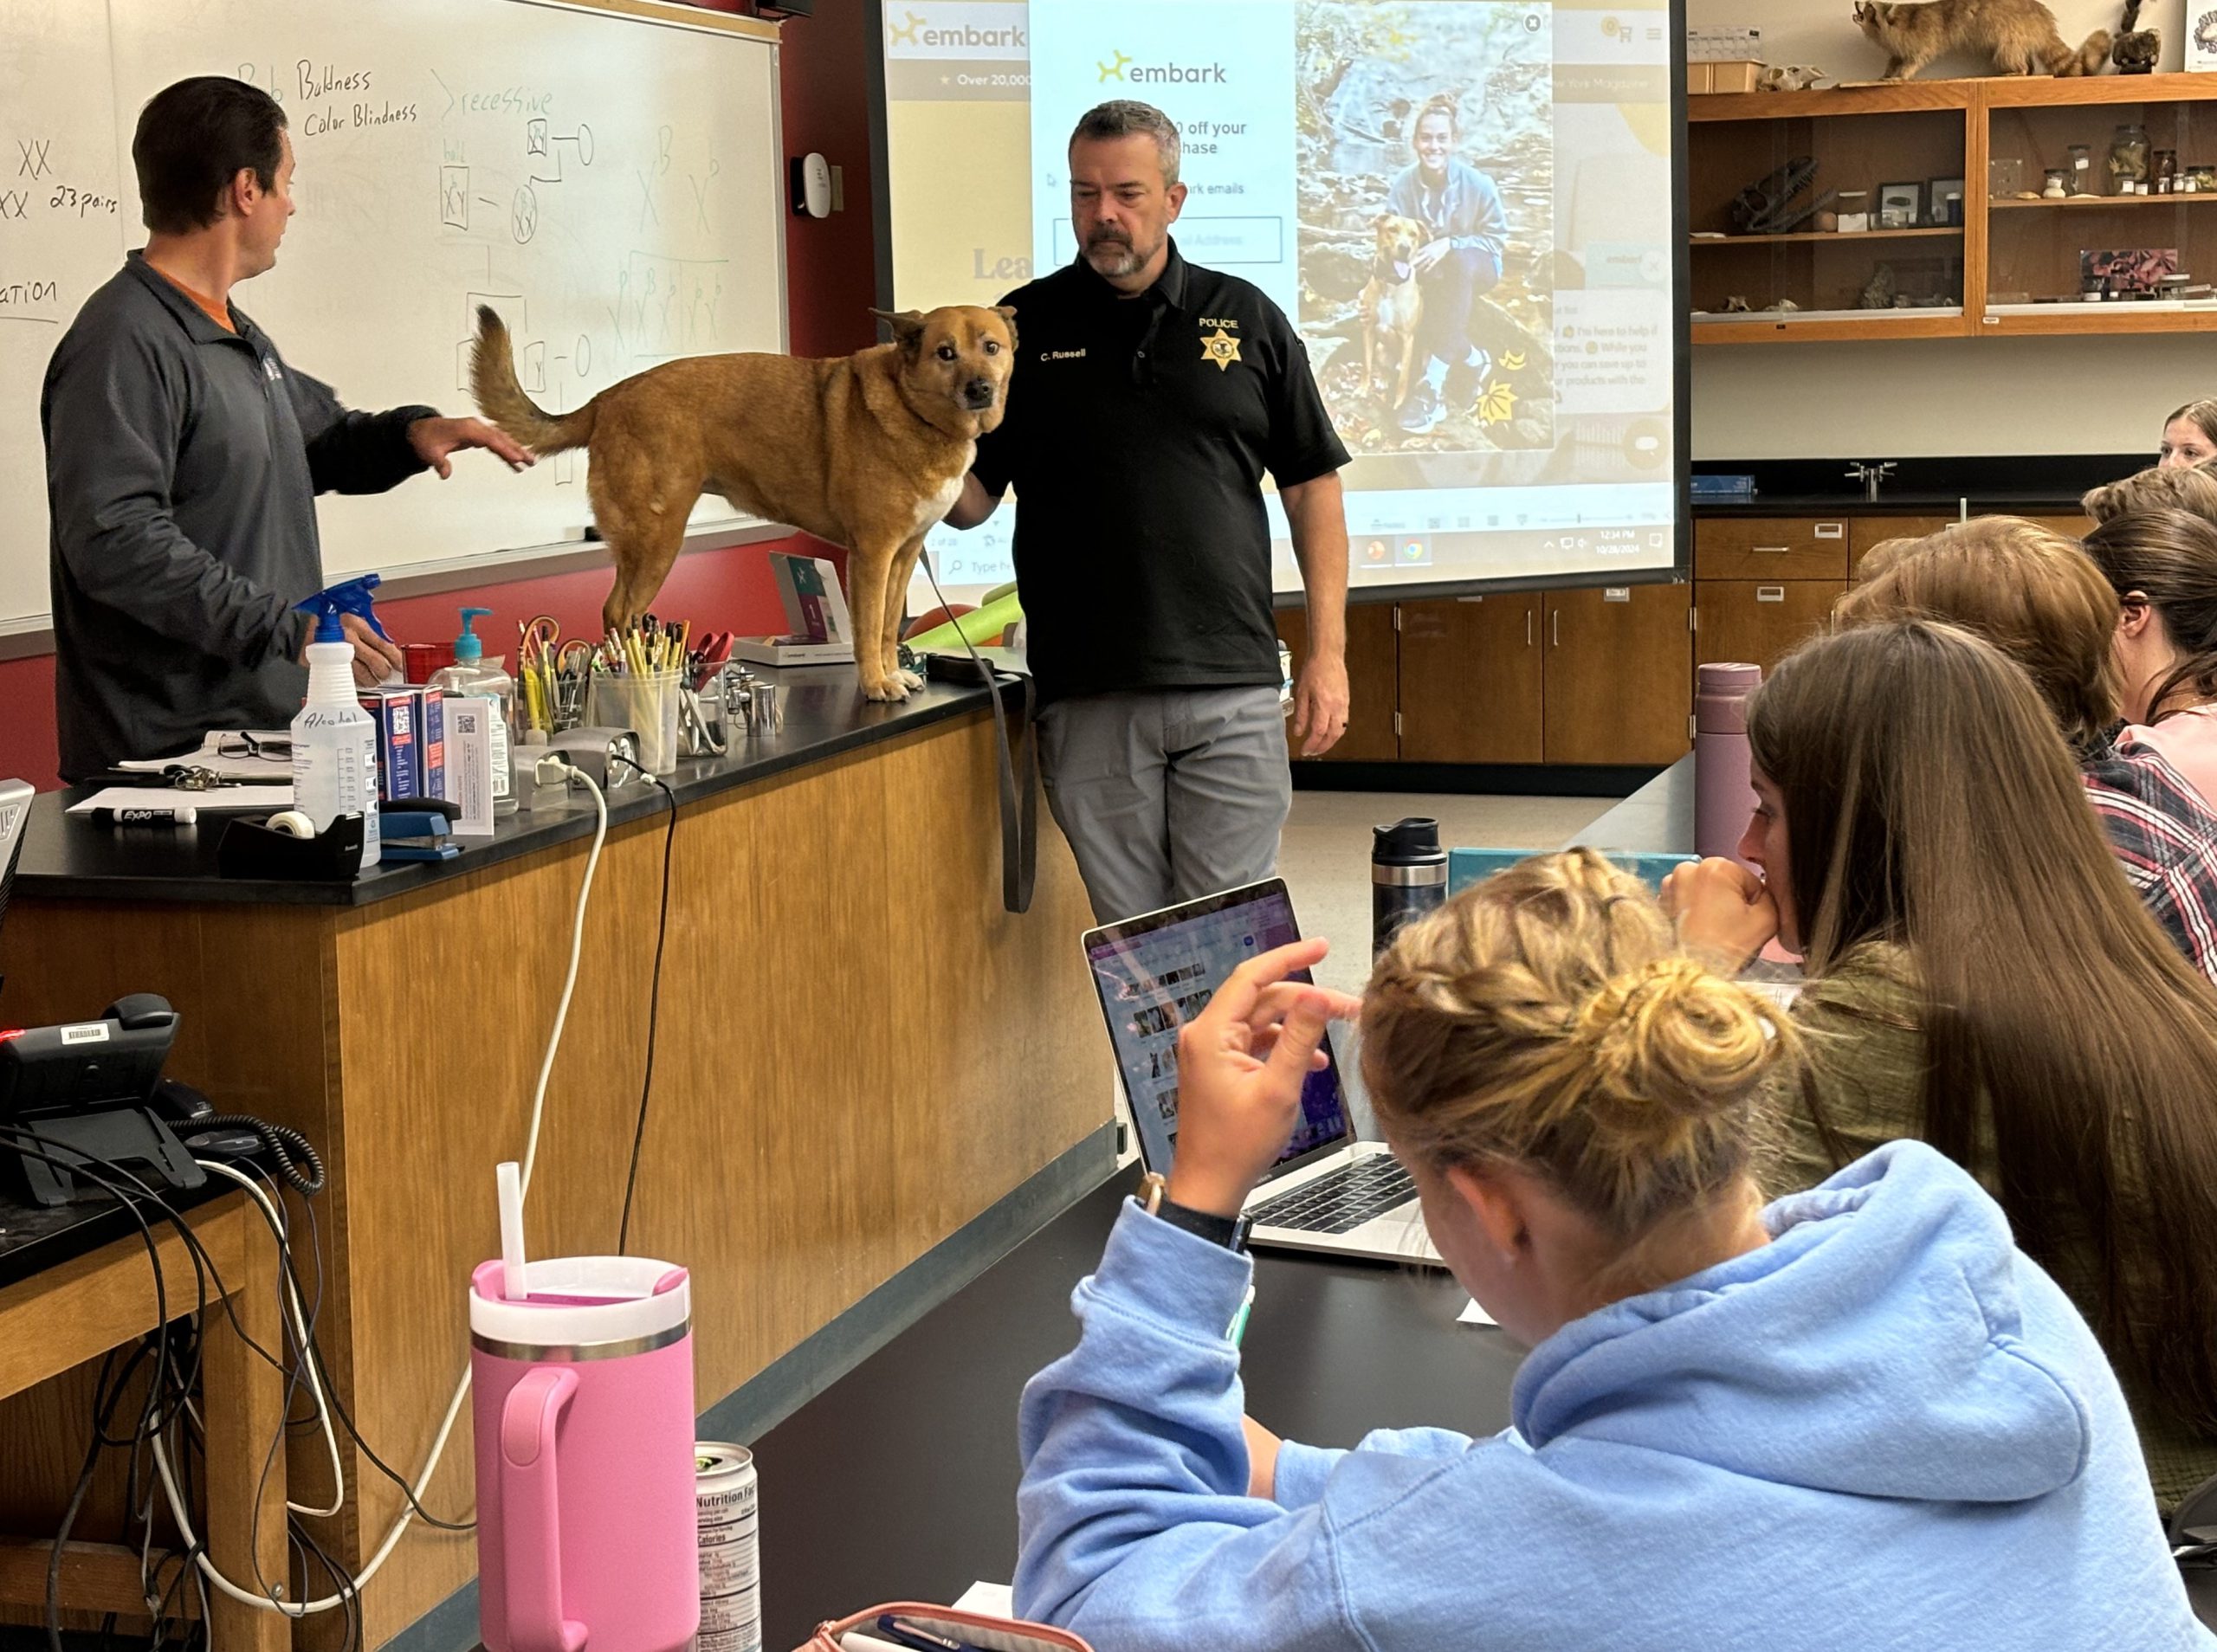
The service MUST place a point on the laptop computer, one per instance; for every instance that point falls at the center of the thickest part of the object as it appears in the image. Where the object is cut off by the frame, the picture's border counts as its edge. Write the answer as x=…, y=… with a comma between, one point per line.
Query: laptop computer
x=1152, y=973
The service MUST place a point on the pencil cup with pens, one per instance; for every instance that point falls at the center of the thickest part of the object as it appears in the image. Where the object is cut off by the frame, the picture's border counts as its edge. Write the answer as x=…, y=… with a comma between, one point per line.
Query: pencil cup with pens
x=647, y=705
x=629, y=680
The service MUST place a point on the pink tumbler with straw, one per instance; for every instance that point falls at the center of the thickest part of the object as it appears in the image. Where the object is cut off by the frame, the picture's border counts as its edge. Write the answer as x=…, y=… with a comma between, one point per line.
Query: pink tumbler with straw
x=1724, y=798
x=587, y=1526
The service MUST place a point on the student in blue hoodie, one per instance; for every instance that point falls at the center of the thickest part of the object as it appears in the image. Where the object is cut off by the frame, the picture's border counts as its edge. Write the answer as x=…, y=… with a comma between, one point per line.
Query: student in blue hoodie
x=1857, y=1416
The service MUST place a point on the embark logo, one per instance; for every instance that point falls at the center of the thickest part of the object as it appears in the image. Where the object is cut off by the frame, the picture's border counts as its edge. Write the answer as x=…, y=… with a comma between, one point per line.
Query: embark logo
x=1123, y=67
x=978, y=29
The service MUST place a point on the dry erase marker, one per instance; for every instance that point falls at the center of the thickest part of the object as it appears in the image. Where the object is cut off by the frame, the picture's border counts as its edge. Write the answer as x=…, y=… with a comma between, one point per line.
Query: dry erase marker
x=180, y=816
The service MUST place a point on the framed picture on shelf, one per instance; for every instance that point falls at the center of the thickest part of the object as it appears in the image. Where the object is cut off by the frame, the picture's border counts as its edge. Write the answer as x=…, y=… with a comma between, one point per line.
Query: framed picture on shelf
x=1944, y=201
x=1898, y=204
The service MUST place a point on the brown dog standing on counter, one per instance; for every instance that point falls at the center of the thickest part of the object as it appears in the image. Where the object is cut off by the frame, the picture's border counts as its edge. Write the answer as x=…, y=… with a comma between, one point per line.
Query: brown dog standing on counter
x=1392, y=303
x=867, y=450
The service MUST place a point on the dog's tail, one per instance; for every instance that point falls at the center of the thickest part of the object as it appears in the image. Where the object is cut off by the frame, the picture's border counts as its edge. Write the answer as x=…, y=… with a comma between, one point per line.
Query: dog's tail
x=500, y=398
x=2087, y=60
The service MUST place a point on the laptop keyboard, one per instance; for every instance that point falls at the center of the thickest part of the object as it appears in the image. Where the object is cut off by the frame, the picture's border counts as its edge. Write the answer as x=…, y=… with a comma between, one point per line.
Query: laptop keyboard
x=1341, y=1201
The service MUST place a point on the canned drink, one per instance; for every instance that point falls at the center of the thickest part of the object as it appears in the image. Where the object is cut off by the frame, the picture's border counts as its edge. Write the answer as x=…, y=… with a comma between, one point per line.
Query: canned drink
x=730, y=1560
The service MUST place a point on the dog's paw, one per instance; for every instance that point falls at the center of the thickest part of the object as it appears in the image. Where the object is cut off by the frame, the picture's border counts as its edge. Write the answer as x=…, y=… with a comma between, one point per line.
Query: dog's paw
x=885, y=689
x=909, y=679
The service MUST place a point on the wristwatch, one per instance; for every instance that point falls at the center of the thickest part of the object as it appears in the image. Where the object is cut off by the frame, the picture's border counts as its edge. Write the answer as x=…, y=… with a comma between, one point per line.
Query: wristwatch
x=1231, y=1232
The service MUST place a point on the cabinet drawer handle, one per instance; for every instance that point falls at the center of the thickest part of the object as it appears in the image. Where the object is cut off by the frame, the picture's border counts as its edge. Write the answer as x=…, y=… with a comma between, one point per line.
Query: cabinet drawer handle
x=1770, y=593
x=1554, y=629
x=1831, y=529
x=1528, y=628
x=1772, y=549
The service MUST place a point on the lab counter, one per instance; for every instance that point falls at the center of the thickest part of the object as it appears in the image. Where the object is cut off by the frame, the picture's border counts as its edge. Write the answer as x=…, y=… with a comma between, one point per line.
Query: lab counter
x=858, y=1052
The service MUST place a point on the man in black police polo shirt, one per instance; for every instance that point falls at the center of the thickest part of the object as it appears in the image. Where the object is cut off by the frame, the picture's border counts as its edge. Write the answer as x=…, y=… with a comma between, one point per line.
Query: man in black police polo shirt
x=1149, y=397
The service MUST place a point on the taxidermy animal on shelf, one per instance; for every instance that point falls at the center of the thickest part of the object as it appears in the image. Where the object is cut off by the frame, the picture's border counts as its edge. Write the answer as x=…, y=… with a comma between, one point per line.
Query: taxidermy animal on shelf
x=2019, y=35
x=2136, y=49
x=1795, y=77
x=867, y=450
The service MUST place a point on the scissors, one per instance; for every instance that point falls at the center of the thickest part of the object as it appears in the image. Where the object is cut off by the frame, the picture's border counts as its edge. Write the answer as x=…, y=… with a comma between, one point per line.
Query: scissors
x=576, y=655
x=541, y=635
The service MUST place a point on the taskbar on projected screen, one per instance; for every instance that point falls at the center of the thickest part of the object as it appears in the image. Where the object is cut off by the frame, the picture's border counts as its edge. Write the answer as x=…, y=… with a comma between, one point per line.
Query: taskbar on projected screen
x=1498, y=555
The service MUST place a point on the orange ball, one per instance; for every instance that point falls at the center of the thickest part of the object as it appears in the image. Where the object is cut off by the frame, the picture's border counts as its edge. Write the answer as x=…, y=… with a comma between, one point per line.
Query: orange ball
x=936, y=618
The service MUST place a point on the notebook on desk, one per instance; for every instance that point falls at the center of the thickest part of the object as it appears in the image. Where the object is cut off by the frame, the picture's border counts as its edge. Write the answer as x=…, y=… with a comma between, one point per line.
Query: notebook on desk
x=1328, y=1192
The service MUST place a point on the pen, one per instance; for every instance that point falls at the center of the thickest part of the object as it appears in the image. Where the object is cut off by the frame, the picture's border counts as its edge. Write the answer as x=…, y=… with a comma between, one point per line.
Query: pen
x=181, y=817
x=902, y=1633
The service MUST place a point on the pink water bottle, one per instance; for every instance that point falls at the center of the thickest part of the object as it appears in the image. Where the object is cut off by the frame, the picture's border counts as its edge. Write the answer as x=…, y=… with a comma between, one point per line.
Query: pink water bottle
x=587, y=1525
x=1722, y=796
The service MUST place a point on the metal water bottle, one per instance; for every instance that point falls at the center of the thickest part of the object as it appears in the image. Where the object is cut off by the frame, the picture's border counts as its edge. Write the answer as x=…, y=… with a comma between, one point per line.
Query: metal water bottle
x=1408, y=875
x=1724, y=798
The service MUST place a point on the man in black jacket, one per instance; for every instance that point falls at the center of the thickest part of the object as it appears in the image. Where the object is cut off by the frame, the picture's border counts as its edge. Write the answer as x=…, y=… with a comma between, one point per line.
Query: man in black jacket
x=183, y=456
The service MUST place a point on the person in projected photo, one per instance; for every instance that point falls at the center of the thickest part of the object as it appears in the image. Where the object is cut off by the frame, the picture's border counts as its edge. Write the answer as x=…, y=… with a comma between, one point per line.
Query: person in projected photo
x=1461, y=208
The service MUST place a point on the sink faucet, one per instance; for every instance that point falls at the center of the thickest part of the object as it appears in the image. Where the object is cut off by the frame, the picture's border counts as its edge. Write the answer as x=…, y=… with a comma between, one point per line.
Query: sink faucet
x=1870, y=476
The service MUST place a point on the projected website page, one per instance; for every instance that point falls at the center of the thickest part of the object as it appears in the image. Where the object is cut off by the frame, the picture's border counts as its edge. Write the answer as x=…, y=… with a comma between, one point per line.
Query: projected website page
x=1536, y=434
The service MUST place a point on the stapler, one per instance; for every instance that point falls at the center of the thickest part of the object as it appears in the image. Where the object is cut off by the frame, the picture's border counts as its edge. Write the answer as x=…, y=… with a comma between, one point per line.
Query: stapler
x=417, y=828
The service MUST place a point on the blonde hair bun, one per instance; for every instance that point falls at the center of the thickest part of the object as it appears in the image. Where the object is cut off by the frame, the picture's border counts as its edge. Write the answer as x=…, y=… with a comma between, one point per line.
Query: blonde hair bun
x=1669, y=1045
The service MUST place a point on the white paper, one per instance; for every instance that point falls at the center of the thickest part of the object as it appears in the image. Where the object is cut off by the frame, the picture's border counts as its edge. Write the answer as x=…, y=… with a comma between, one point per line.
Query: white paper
x=1474, y=1315
x=988, y=1600
x=470, y=758
x=232, y=768
x=221, y=800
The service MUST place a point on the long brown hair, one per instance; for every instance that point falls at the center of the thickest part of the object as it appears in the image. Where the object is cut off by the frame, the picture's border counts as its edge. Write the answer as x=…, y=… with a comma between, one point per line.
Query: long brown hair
x=1929, y=803
x=2201, y=414
x=1546, y=1018
x=2170, y=559
x=2031, y=593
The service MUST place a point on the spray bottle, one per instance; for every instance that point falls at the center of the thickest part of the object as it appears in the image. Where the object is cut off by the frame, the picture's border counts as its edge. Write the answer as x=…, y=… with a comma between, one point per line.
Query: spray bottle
x=470, y=675
x=334, y=740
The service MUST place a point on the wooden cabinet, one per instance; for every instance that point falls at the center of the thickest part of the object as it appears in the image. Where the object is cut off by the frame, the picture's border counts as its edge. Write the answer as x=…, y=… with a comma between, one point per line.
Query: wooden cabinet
x=1373, y=686
x=1866, y=534
x=1995, y=266
x=1770, y=548
x=1743, y=620
x=1617, y=674
x=1470, y=680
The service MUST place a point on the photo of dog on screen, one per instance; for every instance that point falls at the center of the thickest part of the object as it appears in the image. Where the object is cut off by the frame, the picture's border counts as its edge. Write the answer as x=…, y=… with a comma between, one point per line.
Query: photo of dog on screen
x=1426, y=217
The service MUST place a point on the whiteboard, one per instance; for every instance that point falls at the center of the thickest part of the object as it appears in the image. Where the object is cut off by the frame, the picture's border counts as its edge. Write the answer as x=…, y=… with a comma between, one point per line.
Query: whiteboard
x=610, y=183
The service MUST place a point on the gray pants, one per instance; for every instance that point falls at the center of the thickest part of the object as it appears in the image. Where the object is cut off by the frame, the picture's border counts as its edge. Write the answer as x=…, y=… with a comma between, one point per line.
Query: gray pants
x=1167, y=794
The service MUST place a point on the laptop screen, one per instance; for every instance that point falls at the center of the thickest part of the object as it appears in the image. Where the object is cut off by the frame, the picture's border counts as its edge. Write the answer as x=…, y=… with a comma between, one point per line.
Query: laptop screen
x=1155, y=973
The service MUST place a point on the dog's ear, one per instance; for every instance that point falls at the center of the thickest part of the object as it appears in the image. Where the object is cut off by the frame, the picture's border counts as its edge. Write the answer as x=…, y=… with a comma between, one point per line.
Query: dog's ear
x=908, y=328
x=1007, y=313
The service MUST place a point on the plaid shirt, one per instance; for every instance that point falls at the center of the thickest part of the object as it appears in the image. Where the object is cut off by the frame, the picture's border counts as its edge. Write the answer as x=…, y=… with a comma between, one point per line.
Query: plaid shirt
x=2164, y=835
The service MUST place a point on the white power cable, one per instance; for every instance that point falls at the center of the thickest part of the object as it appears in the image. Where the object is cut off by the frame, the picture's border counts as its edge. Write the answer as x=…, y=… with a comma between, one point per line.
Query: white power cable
x=275, y=1217
x=332, y=1602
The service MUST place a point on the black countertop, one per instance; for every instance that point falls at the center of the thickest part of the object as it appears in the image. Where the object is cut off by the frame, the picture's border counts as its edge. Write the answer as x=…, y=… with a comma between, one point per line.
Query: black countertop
x=2017, y=484
x=1896, y=503
x=824, y=714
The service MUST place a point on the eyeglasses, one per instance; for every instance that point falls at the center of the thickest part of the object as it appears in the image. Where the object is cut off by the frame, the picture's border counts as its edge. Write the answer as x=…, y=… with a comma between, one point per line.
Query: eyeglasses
x=244, y=745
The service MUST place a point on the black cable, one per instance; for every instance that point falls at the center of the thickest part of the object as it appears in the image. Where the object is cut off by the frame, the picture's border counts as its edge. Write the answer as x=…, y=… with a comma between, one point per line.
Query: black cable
x=654, y=1009
x=204, y=1268
x=282, y=1141
x=53, y=1616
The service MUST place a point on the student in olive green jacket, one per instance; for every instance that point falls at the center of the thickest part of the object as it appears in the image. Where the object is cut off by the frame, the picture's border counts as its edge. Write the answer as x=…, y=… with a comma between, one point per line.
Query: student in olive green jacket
x=1982, y=978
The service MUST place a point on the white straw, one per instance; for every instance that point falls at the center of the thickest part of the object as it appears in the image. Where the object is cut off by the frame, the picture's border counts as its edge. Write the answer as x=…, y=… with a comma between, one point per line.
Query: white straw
x=511, y=1260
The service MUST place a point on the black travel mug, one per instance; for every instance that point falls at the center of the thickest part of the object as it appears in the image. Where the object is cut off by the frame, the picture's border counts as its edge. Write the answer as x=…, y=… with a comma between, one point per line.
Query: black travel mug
x=1408, y=875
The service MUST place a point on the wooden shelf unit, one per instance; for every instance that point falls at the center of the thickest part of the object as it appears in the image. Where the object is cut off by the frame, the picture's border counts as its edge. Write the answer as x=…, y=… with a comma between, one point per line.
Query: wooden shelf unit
x=1833, y=237
x=2009, y=246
